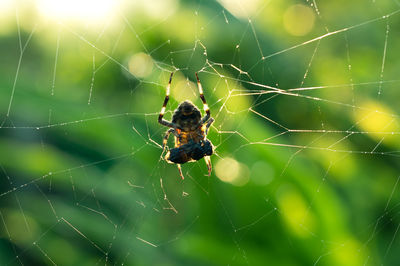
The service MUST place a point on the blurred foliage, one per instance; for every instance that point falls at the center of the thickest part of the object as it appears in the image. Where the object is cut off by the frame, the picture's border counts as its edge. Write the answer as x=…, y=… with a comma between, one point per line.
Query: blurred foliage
x=82, y=180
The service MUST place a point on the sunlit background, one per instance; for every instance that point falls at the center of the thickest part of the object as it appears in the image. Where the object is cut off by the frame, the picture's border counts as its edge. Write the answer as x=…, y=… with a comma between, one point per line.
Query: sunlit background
x=305, y=100
x=85, y=11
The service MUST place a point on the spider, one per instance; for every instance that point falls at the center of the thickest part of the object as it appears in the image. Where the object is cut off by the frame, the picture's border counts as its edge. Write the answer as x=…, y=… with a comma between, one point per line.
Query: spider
x=190, y=131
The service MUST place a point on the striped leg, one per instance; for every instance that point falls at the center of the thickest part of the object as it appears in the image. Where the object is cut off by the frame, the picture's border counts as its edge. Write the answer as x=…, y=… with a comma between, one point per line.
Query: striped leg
x=161, y=120
x=209, y=122
x=206, y=109
x=165, y=140
x=209, y=166
x=180, y=171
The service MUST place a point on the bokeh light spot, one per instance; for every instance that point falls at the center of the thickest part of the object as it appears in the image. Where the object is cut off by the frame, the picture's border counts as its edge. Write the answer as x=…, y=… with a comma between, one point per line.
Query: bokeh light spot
x=298, y=20
x=231, y=171
x=140, y=65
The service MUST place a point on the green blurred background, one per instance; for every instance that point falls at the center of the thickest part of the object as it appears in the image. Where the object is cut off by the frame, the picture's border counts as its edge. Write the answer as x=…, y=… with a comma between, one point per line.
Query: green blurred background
x=305, y=96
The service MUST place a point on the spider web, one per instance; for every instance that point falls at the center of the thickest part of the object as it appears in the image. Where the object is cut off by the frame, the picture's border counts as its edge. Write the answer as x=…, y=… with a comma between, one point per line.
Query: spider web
x=306, y=135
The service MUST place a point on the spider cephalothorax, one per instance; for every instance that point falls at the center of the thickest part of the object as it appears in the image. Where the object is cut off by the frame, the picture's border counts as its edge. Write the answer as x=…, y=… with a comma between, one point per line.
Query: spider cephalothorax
x=190, y=131
x=187, y=116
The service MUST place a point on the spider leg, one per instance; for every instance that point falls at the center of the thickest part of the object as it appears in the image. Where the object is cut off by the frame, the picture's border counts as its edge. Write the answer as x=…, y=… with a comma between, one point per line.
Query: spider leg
x=165, y=139
x=161, y=120
x=180, y=171
x=203, y=99
x=208, y=162
x=209, y=122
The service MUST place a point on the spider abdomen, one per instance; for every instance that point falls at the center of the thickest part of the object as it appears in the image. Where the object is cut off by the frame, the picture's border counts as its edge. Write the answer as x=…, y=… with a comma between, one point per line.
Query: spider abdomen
x=201, y=149
x=192, y=151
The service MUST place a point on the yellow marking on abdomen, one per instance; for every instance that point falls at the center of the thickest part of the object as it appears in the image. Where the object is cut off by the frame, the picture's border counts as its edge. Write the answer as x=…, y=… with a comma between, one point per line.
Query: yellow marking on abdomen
x=185, y=137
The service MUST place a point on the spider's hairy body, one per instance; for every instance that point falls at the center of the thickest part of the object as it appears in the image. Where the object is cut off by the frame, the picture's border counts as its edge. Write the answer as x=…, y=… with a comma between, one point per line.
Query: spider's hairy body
x=186, y=117
x=190, y=131
x=185, y=137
